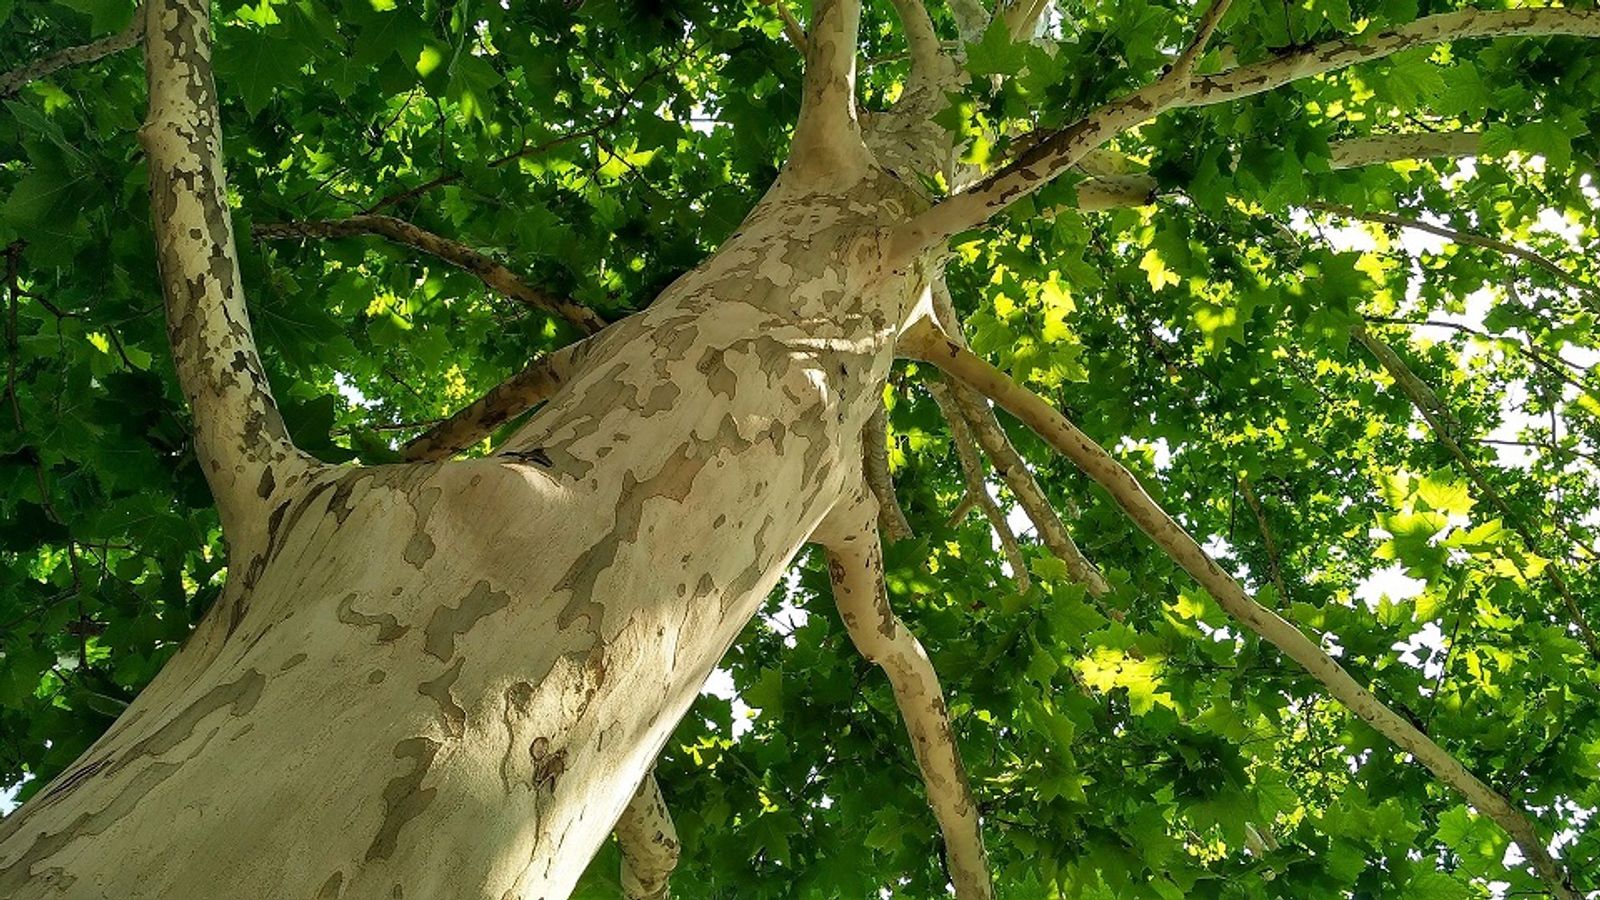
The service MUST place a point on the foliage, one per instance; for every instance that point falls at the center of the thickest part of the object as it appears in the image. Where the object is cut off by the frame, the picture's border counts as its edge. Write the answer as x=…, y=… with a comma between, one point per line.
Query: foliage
x=1134, y=747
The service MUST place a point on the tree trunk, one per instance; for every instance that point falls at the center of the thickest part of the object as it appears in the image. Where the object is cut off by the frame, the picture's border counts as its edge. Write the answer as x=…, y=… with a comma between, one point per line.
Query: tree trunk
x=446, y=680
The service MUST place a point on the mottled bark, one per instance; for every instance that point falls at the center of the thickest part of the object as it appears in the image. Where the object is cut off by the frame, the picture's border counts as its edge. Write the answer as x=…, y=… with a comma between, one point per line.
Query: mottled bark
x=239, y=435
x=649, y=844
x=875, y=464
x=446, y=678
x=855, y=568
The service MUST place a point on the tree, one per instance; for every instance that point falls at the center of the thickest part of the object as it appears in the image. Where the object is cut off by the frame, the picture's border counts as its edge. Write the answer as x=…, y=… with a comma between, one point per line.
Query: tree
x=712, y=275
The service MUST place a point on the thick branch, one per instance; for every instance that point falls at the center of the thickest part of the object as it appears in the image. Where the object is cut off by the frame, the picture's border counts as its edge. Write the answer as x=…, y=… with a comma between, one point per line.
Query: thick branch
x=1387, y=148
x=1444, y=429
x=875, y=463
x=244, y=450
x=1022, y=17
x=827, y=135
x=649, y=843
x=977, y=491
x=492, y=273
x=505, y=401
x=1054, y=153
x=1182, y=71
x=921, y=39
x=927, y=344
x=16, y=79
x=1243, y=81
x=971, y=19
x=855, y=566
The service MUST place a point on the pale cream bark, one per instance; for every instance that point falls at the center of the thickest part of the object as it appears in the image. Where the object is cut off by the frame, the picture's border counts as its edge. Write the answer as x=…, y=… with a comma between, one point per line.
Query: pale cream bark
x=480, y=715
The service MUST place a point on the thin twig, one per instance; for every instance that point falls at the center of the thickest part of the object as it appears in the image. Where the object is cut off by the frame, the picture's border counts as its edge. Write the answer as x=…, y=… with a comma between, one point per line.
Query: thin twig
x=490, y=272
x=1445, y=429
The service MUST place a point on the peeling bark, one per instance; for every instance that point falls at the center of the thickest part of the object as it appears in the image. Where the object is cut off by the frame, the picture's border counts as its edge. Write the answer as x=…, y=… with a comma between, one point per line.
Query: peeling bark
x=483, y=714
x=243, y=447
x=649, y=844
x=875, y=463
x=855, y=567
x=476, y=661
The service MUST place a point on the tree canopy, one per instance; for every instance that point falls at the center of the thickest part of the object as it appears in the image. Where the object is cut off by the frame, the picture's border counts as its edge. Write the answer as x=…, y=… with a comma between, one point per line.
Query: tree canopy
x=1362, y=378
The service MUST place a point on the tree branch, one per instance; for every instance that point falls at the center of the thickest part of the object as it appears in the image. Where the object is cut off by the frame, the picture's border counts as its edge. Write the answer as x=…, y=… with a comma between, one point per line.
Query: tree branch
x=977, y=491
x=18, y=78
x=1013, y=468
x=534, y=384
x=1387, y=148
x=1053, y=153
x=1274, y=566
x=649, y=843
x=827, y=134
x=791, y=25
x=921, y=38
x=244, y=449
x=493, y=274
x=1022, y=17
x=1444, y=428
x=855, y=567
x=1243, y=81
x=875, y=464
x=927, y=344
x=1059, y=150
x=1116, y=190
x=971, y=19
x=1182, y=71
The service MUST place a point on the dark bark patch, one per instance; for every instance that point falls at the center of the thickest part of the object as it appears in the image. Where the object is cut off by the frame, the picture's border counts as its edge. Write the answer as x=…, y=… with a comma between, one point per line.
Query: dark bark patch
x=438, y=690
x=389, y=628
x=19, y=872
x=419, y=549
x=238, y=697
x=449, y=622
x=404, y=798
x=331, y=888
